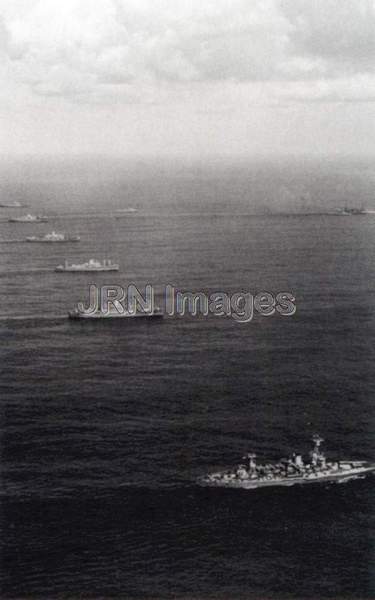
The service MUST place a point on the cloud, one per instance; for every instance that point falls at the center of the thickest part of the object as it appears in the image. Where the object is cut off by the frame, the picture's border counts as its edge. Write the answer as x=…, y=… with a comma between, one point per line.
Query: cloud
x=357, y=88
x=340, y=33
x=116, y=48
x=4, y=37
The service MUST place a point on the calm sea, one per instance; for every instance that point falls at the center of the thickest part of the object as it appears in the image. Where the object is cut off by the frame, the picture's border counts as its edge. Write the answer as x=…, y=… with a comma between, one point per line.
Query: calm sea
x=105, y=426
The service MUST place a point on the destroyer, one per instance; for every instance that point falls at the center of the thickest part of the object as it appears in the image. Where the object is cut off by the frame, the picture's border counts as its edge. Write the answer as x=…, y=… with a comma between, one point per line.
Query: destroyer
x=53, y=237
x=92, y=266
x=289, y=471
x=29, y=219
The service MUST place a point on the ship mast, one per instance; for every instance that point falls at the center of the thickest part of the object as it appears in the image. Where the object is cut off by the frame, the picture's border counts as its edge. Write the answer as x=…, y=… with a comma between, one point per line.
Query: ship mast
x=316, y=454
x=251, y=456
x=317, y=441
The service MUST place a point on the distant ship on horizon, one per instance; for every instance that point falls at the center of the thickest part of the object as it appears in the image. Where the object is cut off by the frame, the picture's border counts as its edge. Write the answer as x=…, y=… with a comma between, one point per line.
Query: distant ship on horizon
x=29, y=219
x=92, y=266
x=12, y=205
x=351, y=211
x=123, y=212
x=53, y=238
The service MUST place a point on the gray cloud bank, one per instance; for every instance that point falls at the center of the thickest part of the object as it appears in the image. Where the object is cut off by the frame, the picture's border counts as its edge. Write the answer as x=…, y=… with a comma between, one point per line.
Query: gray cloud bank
x=85, y=49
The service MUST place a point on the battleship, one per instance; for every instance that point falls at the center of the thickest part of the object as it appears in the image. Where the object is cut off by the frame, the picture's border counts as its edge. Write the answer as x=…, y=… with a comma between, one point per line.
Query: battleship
x=289, y=471
x=53, y=237
x=29, y=219
x=92, y=266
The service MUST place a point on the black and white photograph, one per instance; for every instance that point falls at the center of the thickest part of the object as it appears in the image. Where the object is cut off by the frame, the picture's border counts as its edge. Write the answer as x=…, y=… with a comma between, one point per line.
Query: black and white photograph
x=187, y=299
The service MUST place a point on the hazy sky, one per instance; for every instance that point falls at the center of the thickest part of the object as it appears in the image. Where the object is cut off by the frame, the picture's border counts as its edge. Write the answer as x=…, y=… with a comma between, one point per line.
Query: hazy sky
x=187, y=77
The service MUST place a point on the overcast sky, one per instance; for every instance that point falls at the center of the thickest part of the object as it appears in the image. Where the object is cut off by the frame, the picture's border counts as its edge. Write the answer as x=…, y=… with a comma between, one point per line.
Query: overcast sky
x=187, y=77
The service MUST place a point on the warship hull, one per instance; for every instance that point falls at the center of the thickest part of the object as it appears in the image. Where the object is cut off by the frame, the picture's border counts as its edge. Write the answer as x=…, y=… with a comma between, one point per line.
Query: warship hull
x=43, y=241
x=31, y=221
x=27, y=222
x=83, y=270
x=340, y=476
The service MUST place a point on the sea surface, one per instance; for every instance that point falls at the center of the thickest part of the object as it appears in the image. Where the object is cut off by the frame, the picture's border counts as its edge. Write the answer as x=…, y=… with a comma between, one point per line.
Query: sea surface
x=106, y=426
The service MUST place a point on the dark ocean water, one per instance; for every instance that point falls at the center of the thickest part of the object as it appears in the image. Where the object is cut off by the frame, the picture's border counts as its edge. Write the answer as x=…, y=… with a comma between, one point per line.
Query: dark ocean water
x=106, y=426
